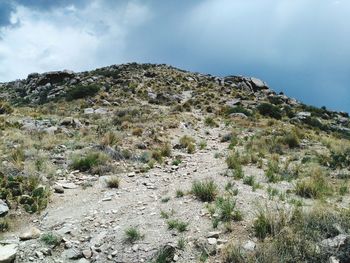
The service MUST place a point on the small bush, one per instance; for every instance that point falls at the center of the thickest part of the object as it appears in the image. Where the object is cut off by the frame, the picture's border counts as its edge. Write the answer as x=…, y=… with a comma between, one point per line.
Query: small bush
x=272, y=172
x=165, y=150
x=315, y=186
x=227, y=209
x=234, y=254
x=132, y=234
x=179, y=193
x=110, y=139
x=89, y=161
x=4, y=225
x=177, y=224
x=80, y=91
x=113, y=182
x=209, y=121
x=233, y=160
x=202, y=145
x=50, y=239
x=237, y=109
x=137, y=131
x=186, y=140
x=205, y=191
x=249, y=180
x=270, y=222
x=164, y=255
x=5, y=108
x=270, y=110
x=291, y=139
x=188, y=143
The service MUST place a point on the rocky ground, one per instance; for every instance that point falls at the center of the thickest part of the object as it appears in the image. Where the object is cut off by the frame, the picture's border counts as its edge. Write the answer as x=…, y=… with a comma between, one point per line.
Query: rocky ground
x=96, y=168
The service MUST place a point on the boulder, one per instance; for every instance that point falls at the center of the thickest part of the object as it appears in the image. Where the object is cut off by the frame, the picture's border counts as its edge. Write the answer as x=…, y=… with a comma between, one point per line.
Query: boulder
x=258, y=84
x=3, y=208
x=8, y=253
x=31, y=233
x=335, y=242
x=69, y=121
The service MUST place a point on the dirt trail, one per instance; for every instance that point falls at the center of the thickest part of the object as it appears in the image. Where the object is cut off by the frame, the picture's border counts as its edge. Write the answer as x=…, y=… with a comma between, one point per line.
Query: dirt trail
x=96, y=217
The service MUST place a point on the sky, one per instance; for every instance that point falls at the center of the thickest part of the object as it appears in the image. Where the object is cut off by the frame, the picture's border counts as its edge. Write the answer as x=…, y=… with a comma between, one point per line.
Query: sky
x=300, y=47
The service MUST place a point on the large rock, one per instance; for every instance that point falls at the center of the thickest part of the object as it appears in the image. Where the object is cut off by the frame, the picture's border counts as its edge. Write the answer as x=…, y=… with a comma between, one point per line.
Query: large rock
x=335, y=242
x=258, y=84
x=8, y=253
x=3, y=208
x=31, y=233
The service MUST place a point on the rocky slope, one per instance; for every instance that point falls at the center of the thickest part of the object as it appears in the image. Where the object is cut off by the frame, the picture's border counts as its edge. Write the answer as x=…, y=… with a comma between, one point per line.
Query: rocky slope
x=149, y=163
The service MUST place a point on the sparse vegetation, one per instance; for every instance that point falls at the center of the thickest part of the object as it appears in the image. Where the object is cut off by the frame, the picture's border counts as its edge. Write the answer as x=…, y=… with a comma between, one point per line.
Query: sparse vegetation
x=80, y=91
x=177, y=224
x=314, y=186
x=50, y=239
x=205, y=191
x=113, y=182
x=132, y=234
x=89, y=161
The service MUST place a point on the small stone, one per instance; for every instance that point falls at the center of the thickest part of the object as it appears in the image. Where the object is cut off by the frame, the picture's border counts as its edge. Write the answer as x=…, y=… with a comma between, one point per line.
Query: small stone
x=32, y=233
x=87, y=253
x=249, y=245
x=333, y=260
x=214, y=234
x=58, y=189
x=135, y=248
x=69, y=186
x=212, y=241
x=72, y=253
x=132, y=174
x=176, y=258
x=39, y=254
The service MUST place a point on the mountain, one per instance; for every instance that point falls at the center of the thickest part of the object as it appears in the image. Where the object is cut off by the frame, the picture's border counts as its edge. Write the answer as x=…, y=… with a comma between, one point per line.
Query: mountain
x=150, y=163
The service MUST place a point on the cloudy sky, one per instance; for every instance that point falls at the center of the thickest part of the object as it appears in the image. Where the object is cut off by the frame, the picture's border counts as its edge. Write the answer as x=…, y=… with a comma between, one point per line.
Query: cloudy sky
x=301, y=47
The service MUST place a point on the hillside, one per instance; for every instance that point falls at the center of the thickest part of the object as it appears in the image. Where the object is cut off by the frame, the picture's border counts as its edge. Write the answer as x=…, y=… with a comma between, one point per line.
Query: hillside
x=150, y=163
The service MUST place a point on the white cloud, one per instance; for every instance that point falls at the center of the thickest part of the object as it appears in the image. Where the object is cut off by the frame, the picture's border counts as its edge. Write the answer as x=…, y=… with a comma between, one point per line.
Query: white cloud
x=67, y=38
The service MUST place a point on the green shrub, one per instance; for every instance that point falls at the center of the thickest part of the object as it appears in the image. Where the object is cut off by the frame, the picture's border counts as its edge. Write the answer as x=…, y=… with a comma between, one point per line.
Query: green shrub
x=237, y=109
x=177, y=224
x=5, y=108
x=89, y=161
x=340, y=159
x=209, y=121
x=233, y=160
x=4, y=224
x=164, y=255
x=80, y=91
x=227, y=209
x=188, y=142
x=205, y=191
x=113, y=182
x=272, y=172
x=270, y=222
x=291, y=139
x=50, y=239
x=202, y=145
x=234, y=254
x=165, y=150
x=270, y=110
x=249, y=180
x=315, y=186
x=132, y=234
x=297, y=236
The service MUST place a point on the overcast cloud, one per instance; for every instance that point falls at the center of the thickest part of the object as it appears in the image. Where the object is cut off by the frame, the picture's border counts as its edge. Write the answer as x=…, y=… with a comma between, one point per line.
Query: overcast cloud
x=301, y=47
